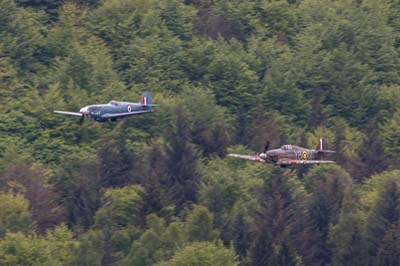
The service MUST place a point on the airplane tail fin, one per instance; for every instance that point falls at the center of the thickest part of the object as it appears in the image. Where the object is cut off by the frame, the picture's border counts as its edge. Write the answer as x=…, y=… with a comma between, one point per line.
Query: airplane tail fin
x=146, y=101
x=322, y=146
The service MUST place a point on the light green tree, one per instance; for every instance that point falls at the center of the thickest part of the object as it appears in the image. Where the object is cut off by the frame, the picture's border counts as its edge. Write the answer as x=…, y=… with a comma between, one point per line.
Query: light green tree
x=203, y=254
x=118, y=218
x=14, y=214
x=18, y=249
x=158, y=242
x=199, y=225
x=390, y=131
x=91, y=249
x=56, y=248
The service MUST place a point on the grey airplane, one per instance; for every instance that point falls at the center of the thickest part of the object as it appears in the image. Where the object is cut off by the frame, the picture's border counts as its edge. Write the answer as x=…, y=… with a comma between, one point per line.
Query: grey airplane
x=113, y=110
x=291, y=155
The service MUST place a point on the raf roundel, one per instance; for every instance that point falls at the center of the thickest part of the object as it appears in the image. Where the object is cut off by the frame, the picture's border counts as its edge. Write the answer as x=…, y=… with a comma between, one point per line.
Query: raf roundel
x=304, y=155
x=129, y=108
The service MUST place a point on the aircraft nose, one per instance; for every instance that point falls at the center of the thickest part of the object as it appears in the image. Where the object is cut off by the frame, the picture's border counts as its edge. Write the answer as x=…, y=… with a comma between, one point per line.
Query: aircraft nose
x=84, y=110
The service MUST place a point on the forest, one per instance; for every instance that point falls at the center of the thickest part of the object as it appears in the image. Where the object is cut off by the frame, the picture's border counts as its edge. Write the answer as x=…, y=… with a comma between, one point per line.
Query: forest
x=158, y=189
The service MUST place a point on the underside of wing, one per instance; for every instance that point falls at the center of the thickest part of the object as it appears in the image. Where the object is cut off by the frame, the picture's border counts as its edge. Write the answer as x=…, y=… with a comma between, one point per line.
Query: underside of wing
x=293, y=162
x=247, y=157
x=326, y=151
x=118, y=115
x=69, y=113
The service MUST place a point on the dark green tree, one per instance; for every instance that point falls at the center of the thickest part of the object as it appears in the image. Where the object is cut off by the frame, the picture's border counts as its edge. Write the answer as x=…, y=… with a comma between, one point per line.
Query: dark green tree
x=117, y=165
x=346, y=238
x=181, y=163
x=388, y=253
x=383, y=217
x=77, y=184
x=275, y=228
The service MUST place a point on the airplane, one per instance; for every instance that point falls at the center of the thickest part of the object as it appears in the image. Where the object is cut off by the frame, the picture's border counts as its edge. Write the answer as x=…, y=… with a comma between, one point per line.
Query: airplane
x=291, y=155
x=113, y=110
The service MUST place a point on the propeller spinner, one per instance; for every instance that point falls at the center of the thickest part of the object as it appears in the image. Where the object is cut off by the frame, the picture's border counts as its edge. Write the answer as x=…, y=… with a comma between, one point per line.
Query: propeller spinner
x=263, y=155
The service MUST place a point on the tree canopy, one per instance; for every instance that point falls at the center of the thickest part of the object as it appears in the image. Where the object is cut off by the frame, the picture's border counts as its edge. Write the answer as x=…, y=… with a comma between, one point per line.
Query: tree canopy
x=228, y=75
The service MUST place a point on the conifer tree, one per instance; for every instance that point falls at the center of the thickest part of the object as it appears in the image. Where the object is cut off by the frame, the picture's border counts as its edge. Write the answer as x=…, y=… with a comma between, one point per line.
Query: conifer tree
x=116, y=162
x=275, y=223
x=181, y=163
x=328, y=186
x=346, y=237
x=389, y=251
x=383, y=217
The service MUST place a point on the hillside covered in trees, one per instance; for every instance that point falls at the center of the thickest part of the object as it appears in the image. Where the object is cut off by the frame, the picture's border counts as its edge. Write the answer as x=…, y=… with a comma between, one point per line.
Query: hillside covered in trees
x=158, y=189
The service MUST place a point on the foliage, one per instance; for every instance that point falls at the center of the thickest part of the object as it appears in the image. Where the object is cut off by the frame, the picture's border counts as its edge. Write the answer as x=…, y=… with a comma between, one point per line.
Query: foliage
x=15, y=215
x=203, y=253
x=120, y=207
x=229, y=75
x=56, y=248
x=390, y=130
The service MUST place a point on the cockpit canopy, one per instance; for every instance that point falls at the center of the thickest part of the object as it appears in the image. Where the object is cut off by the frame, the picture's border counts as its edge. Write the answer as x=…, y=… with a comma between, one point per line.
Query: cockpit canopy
x=287, y=147
x=115, y=103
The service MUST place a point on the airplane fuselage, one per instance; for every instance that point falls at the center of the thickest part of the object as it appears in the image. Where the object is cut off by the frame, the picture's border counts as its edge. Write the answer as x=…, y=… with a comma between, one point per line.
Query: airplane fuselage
x=98, y=112
x=291, y=153
x=114, y=110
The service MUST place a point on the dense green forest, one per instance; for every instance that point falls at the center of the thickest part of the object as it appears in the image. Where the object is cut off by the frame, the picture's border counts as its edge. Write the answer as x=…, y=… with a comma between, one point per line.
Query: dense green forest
x=158, y=189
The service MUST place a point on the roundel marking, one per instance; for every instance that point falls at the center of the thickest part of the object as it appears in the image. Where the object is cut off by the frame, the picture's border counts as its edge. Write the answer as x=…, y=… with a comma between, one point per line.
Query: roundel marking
x=129, y=108
x=304, y=155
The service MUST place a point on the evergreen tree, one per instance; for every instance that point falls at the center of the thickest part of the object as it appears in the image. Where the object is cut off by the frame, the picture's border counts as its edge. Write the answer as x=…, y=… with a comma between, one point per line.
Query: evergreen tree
x=275, y=222
x=116, y=162
x=328, y=185
x=153, y=190
x=77, y=184
x=242, y=235
x=372, y=153
x=182, y=171
x=389, y=134
x=346, y=237
x=388, y=253
x=384, y=216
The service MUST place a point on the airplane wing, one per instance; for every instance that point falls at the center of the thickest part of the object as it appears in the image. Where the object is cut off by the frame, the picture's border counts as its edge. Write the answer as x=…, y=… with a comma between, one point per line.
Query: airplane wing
x=326, y=151
x=247, y=157
x=293, y=162
x=117, y=115
x=68, y=113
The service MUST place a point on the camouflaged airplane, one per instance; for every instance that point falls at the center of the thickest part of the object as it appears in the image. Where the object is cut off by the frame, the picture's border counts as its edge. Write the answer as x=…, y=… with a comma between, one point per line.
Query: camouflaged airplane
x=113, y=110
x=291, y=155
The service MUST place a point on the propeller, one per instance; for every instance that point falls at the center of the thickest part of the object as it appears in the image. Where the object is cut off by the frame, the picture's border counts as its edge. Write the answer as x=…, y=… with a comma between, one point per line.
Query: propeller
x=81, y=120
x=266, y=146
x=263, y=155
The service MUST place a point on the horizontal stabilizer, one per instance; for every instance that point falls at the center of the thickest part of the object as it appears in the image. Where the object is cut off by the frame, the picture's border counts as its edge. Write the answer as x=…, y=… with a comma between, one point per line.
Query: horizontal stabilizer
x=151, y=105
x=68, y=113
